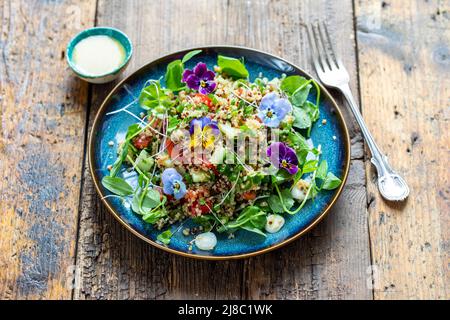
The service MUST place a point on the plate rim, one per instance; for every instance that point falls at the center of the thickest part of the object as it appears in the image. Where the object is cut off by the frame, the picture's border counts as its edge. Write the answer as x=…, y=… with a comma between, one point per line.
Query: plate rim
x=294, y=237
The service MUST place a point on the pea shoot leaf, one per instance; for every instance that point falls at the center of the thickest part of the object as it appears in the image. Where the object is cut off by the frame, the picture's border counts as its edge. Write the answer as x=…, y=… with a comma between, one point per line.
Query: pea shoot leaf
x=132, y=130
x=252, y=219
x=154, y=98
x=188, y=56
x=322, y=170
x=232, y=67
x=165, y=236
x=310, y=166
x=287, y=198
x=300, y=95
x=291, y=83
x=174, y=75
x=120, y=159
x=248, y=227
x=302, y=119
x=117, y=186
x=275, y=204
x=331, y=182
x=154, y=216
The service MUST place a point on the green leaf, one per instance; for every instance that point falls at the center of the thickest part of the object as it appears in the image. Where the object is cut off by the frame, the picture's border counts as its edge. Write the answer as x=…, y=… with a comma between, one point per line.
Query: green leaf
x=322, y=170
x=280, y=176
x=275, y=204
x=297, y=88
x=120, y=159
x=173, y=124
x=153, y=97
x=254, y=230
x=154, y=216
x=189, y=55
x=143, y=205
x=258, y=221
x=331, y=182
x=301, y=118
x=309, y=166
x=135, y=203
x=117, y=186
x=287, y=199
x=132, y=130
x=151, y=200
x=291, y=83
x=302, y=155
x=297, y=140
x=312, y=110
x=252, y=217
x=232, y=67
x=144, y=161
x=165, y=236
x=174, y=75
x=300, y=95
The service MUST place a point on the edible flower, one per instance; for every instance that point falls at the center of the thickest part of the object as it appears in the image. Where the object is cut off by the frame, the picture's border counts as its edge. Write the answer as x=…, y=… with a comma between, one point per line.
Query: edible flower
x=173, y=183
x=273, y=109
x=203, y=132
x=200, y=78
x=281, y=156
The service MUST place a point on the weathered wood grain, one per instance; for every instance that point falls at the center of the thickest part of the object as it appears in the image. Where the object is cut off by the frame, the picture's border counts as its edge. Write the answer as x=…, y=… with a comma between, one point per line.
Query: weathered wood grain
x=114, y=264
x=42, y=121
x=331, y=262
x=405, y=88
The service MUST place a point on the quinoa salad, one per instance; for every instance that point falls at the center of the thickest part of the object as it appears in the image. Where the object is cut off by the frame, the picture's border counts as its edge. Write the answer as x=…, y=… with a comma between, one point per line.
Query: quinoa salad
x=213, y=147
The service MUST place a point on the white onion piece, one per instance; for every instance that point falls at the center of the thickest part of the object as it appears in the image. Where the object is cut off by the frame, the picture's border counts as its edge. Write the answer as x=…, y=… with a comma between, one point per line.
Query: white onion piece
x=206, y=241
x=299, y=191
x=274, y=223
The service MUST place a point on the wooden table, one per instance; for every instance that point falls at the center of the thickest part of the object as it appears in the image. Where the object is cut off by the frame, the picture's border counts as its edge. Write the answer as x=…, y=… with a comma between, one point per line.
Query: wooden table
x=58, y=241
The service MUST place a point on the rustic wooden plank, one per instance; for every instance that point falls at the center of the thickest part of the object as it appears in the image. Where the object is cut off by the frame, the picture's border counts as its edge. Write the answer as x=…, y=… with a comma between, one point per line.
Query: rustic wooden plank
x=330, y=262
x=114, y=264
x=42, y=110
x=406, y=99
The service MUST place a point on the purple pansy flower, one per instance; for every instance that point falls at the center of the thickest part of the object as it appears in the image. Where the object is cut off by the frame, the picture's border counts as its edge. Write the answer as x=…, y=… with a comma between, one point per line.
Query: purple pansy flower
x=200, y=78
x=203, y=132
x=173, y=183
x=281, y=156
x=272, y=109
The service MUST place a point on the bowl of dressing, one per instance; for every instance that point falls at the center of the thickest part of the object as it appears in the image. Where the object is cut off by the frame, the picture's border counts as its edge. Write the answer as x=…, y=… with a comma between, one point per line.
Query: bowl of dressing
x=100, y=54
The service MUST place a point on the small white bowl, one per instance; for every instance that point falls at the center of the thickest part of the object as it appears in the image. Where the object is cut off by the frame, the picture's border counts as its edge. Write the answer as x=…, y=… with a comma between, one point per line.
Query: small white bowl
x=104, y=31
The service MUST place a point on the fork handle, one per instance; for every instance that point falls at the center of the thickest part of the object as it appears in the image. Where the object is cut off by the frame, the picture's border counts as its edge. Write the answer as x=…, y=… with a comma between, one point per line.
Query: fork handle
x=378, y=158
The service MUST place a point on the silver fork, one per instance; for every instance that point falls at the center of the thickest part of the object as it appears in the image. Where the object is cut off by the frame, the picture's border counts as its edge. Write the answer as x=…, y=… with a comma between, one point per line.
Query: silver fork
x=332, y=73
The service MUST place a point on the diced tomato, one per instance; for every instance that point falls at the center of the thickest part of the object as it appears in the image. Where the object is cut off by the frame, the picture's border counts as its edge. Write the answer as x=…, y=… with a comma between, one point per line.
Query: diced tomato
x=212, y=167
x=249, y=195
x=205, y=100
x=203, y=208
x=169, y=147
x=142, y=140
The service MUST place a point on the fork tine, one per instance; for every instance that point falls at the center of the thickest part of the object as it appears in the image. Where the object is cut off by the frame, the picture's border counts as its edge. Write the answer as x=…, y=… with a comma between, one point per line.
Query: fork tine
x=326, y=51
x=314, y=52
x=332, y=53
x=321, y=50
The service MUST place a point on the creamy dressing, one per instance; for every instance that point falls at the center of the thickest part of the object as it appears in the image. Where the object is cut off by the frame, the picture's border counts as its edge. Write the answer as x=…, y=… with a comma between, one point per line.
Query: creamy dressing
x=98, y=55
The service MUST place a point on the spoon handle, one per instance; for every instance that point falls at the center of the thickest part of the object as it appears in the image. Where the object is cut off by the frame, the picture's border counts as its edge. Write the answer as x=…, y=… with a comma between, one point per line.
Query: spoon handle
x=380, y=161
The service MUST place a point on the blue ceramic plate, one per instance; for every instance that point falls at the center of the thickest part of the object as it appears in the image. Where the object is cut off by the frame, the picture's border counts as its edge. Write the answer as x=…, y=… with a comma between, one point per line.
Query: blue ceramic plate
x=333, y=137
